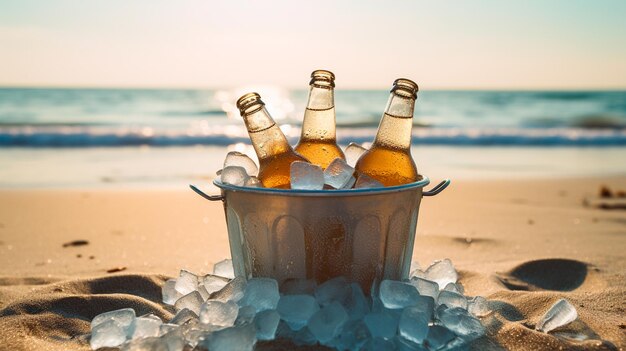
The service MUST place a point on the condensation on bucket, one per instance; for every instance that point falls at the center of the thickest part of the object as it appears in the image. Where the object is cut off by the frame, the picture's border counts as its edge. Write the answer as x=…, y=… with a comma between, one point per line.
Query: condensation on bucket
x=362, y=235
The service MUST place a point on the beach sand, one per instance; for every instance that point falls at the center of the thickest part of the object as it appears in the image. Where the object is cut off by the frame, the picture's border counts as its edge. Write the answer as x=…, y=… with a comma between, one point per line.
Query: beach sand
x=522, y=244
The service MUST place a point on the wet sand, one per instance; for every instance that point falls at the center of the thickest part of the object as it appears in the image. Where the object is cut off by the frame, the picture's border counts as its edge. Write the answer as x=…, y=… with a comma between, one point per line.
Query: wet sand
x=523, y=244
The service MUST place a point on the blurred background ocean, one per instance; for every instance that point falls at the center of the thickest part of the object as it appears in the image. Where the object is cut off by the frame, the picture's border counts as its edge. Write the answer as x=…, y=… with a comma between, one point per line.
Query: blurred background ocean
x=166, y=138
x=507, y=89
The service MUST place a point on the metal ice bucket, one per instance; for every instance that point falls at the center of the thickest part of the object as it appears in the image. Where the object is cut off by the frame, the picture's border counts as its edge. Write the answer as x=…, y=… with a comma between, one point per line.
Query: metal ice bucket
x=362, y=234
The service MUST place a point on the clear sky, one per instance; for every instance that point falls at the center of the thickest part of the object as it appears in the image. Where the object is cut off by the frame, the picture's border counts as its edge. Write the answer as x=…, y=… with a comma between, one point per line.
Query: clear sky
x=486, y=44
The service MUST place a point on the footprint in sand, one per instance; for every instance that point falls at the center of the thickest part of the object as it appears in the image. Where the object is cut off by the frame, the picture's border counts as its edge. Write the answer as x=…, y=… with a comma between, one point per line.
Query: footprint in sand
x=549, y=274
x=523, y=310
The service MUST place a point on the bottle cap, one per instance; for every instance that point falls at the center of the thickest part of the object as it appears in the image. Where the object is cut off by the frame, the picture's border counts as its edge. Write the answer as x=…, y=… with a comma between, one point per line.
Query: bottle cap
x=322, y=79
x=247, y=101
x=405, y=88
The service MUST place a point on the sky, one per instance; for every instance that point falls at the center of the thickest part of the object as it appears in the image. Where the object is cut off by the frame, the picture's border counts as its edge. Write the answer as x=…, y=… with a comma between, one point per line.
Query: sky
x=487, y=44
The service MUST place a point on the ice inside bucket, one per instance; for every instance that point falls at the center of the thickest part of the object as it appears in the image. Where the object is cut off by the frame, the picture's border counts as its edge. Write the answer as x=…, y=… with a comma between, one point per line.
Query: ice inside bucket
x=362, y=234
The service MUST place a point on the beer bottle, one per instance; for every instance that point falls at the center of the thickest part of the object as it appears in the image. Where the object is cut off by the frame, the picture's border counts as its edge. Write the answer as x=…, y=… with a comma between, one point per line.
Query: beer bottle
x=274, y=152
x=389, y=159
x=318, y=142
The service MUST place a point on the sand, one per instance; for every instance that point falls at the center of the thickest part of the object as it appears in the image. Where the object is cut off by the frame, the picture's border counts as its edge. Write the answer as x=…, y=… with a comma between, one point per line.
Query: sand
x=522, y=244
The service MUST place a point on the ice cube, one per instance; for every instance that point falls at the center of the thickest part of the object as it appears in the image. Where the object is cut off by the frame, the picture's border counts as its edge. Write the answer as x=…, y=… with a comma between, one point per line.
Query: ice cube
x=460, y=322
x=219, y=313
x=336, y=289
x=298, y=287
x=253, y=182
x=245, y=315
x=353, y=152
x=413, y=324
x=146, y=344
x=266, y=323
x=169, y=293
x=224, y=269
x=356, y=305
x=377, y=344
x=452, y=299
x=146, y=326
x=442, y=272
x=186, y=282
x=213, y=283
x=350, y=184
x=233, y=291
x=306, y=176
x=326, y=323
x=107, y=334
x=240, y=338
x=438, y=337
x=426, y=304
x=458, y=344
x=353, y=335
x=191, y=301
x=478, y=306
x=235, y=158
x=183, y=316
x=296, y=310
x=124, y=317
x=395, y=294
x=418, y=273
x=262, y=293
x=364, y=181
x=203, y=292
x=457, y=288
x=381, y=324
x=403, y=344
x=560, y=314
x=174, y=339
x=339, y=174
x=167, y=327
x=152, y=316
x=234, y=175
x=425, y=287
x=196, y=332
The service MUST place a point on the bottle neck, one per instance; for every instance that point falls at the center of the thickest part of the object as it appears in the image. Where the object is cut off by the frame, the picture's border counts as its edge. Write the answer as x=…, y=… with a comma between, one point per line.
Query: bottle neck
x=268, y=140
x=396, y=124
x=319, y=116
x=321, y=98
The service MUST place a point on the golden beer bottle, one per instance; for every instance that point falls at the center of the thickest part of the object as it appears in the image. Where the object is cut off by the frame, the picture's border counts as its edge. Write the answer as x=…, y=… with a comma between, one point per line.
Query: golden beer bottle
x=318, y=142
x=270, y=144
x=389, y=159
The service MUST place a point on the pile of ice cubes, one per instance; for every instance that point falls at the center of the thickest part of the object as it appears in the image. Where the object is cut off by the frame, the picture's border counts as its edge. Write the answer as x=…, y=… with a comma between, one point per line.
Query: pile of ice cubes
x=218, y=312
x=241, y=170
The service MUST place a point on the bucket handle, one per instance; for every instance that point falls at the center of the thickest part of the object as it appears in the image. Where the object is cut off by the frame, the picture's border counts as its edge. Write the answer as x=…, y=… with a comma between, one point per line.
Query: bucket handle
x=432, y=192
x=208, y=197
x=438, y=188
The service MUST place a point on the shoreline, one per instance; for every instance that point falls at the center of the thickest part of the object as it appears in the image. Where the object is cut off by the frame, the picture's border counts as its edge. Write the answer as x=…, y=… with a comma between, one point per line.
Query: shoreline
x=152, y=168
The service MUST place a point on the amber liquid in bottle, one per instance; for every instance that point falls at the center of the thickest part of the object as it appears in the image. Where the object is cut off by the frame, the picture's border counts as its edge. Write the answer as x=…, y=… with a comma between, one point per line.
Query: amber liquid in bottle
x=318, y=141
x=270, y=144
x=389, y=159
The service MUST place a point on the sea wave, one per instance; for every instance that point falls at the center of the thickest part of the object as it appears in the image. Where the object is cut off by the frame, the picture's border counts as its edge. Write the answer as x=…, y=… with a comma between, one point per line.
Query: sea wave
x=81, y=137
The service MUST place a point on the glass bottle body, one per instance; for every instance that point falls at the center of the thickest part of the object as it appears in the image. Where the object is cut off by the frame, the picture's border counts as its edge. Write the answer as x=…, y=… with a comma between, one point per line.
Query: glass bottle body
x=389, y=159
x=318, y=141
x=270, y=144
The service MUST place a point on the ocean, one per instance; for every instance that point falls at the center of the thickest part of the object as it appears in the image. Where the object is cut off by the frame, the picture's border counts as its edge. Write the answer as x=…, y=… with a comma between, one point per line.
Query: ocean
x=159, y=137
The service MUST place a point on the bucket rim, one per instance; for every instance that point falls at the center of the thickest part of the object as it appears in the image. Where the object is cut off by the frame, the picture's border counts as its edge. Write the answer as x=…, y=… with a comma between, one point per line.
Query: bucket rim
x=298, y=192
